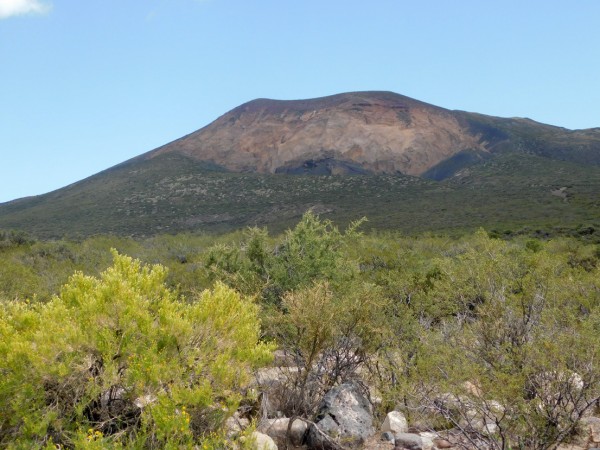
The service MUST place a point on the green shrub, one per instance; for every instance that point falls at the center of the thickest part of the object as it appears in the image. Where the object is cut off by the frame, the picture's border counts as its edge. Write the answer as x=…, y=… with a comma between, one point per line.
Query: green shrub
x=521, y=369
x=313, y=250
x=330, y=336
x=13, y=238
x=120, y=360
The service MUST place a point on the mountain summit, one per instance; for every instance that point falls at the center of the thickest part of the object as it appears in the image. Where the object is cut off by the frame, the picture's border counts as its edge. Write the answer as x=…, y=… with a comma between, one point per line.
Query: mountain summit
x=422, y=168
x=369, y=132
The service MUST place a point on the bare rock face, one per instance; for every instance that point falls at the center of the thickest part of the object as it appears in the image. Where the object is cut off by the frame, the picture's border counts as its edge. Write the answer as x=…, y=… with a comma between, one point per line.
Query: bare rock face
x=363, y=132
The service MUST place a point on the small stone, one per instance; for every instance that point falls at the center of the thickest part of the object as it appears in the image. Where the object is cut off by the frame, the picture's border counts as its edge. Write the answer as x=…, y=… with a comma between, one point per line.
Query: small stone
x=442, y=443
x=387, y=436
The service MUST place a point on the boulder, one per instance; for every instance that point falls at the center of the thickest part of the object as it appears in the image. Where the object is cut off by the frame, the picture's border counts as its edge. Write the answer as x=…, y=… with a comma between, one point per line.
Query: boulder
x=278, y=428
x=395, y=422
x=408, y=441
x=261, y=441
x=344, y=419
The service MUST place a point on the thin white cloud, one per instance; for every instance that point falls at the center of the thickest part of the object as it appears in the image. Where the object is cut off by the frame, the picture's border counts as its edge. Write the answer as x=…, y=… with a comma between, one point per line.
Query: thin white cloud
x=9, y=8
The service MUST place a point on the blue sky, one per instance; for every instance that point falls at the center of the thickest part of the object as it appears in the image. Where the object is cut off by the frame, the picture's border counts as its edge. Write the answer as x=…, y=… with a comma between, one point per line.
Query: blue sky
x=87, y=84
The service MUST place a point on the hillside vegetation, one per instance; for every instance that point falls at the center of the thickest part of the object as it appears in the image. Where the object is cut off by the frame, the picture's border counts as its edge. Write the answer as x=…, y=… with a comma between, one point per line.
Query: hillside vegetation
x=405, y=164
x=172, y=194
x=141, y=356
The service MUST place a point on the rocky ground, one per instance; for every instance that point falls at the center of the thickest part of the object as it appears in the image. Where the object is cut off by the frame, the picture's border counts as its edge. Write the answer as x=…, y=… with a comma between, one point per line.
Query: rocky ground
x=346, y=421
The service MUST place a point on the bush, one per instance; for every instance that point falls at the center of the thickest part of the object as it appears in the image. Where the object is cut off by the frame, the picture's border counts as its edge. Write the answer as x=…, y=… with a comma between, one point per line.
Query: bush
x=521, y=370
x=313, y=250
x=120, y=360
x=330, y=336
x=13, y=238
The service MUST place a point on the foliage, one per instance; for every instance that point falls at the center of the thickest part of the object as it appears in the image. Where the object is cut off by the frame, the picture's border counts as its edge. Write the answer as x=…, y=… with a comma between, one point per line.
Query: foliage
x=313, y=250
x=326, y=320
x=120, y=360
x=513, y=358
x=492, y=335
x=329, y=336
x=175, y=194
x=14, y=238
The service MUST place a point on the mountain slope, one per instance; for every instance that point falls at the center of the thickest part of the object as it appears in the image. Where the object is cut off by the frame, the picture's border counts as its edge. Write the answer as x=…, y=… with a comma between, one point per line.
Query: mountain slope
x=370, y=132
x=237, y=171
x=172, y=193
x=373, y=132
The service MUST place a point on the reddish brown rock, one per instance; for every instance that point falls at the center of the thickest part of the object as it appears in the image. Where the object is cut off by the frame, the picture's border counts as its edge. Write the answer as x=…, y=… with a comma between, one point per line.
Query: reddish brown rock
x=442, y=443
x=374, y=132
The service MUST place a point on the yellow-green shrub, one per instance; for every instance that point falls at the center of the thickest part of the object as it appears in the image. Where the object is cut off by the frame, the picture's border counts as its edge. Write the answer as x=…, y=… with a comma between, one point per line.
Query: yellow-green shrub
x=120, y=360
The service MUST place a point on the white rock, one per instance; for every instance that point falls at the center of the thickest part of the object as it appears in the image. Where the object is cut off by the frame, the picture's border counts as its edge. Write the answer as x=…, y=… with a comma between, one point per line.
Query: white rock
x=144, y=400
x=277, y=429
x=395, y=422
x=427, y=439
x=262, y=442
